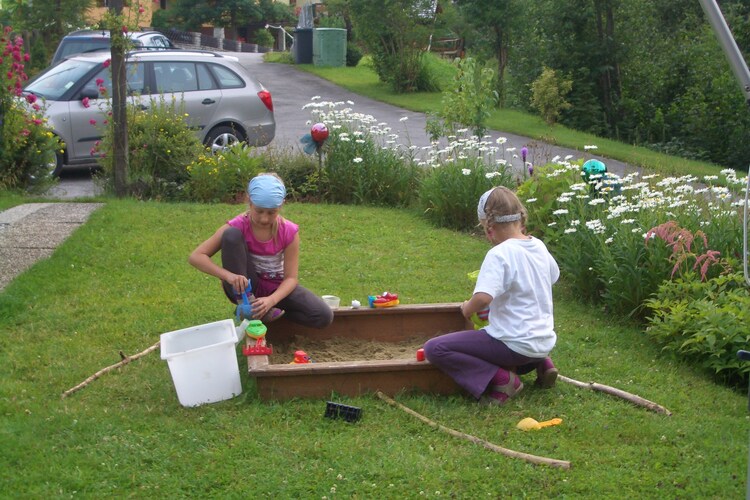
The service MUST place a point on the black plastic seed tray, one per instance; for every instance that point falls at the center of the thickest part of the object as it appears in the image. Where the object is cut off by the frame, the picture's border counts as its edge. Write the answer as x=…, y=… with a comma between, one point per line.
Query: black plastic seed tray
x=348, y=413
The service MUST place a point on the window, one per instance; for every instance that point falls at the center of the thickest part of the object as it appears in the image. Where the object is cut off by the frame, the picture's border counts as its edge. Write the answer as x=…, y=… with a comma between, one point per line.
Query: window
x=135, y=79
x=228, y=79
x=175, y=76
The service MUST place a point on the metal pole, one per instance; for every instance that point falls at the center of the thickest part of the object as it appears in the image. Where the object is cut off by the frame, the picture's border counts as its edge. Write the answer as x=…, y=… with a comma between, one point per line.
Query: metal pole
x=728, y=44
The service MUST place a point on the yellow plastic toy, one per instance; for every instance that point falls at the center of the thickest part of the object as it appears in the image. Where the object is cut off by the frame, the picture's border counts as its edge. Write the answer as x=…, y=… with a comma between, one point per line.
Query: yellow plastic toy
x=529, y=424
x=481, y=318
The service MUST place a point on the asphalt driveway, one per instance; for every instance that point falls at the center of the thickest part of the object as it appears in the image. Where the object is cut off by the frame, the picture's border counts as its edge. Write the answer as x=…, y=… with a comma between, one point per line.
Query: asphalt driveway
x=292, y=89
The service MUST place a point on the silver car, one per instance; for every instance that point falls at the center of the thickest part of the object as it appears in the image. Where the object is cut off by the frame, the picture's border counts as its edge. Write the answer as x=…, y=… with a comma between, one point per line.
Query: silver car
x=223, y=103
x=82, y=41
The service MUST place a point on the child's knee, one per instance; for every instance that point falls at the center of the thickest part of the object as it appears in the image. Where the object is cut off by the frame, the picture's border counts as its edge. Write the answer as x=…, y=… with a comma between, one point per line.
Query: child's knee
x=232, y=236
x=323, y=317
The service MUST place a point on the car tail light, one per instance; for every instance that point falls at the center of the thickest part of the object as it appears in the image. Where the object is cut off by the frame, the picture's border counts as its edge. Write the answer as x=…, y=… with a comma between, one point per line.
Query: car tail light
x=265, y=96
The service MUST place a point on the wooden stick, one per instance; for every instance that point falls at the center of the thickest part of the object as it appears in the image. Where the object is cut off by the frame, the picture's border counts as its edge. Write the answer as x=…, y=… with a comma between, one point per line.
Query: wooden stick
x=637, y=400
x=124, y=361
x=505, y=451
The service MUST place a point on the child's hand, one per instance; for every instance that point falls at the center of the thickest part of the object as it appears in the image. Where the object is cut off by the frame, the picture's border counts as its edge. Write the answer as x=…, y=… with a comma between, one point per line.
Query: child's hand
x=261, y=306
x=238, y=282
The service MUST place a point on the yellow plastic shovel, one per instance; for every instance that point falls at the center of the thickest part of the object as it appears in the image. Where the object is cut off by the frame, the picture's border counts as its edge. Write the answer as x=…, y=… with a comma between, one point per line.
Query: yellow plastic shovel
x=529, y=424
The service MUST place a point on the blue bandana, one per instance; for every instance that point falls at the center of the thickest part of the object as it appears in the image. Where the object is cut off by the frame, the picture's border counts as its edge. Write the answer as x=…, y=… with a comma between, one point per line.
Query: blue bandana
x=266, y=191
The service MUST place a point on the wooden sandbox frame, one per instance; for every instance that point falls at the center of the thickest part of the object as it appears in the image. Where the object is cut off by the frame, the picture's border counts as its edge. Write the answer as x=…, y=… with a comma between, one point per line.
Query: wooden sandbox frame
x=353, y=378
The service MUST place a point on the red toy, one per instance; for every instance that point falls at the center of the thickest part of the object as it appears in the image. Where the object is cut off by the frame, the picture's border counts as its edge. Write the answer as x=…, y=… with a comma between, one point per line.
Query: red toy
x=388, y=299
x=300, y=358
x=257, y=330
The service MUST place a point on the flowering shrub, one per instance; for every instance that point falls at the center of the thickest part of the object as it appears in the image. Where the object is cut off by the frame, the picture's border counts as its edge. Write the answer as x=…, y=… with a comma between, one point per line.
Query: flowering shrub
x=457, y=176
x=364, y=164
x=604, y=232
x=222, y=177
x=27, y=145
x=160, y=147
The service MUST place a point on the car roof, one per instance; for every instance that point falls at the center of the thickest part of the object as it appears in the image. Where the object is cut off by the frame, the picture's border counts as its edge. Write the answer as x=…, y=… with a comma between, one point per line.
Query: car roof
x=167, y=54
x=105, y=34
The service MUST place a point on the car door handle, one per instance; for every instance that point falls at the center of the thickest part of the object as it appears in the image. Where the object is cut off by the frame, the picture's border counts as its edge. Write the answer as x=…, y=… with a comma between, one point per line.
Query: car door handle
x=208, y=100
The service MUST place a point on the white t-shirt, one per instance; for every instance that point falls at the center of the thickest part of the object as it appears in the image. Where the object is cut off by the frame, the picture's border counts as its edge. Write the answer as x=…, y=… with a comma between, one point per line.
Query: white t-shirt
x=518, y=275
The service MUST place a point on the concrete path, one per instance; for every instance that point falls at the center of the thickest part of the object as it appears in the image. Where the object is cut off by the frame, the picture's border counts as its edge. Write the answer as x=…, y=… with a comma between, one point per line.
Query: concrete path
x=32, y=231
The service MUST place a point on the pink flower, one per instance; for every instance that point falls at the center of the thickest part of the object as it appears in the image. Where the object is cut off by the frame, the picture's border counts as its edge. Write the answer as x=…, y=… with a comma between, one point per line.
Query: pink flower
x=26, y=57
x=36, y=107
x=25, y=132
x=31, y=98
x=141, y=10
x=85, y=102
x=37, y=121
x=99, y=82
x=92, y=121
x=107, y=63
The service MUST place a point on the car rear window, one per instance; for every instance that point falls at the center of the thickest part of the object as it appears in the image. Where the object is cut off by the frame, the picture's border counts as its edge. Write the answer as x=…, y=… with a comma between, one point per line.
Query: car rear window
x=228, y=79
x=73, y=46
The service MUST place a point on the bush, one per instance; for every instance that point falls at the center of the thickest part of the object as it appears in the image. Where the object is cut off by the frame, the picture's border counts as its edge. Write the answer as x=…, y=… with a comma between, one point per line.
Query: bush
x=28, y=146
x=548, y=95
x=448, y=194
x=222, y=177
x=160, y=147
x=300, y=172
x=470, y=98
x=353, y=55
x=704, y=323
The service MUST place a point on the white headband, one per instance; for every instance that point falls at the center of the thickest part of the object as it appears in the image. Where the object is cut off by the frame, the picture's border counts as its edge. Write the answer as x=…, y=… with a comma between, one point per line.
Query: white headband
x=507, y=218
x=482, y=215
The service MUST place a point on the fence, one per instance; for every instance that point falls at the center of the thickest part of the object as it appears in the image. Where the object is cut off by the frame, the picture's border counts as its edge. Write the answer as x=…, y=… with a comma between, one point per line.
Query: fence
x=194, y=40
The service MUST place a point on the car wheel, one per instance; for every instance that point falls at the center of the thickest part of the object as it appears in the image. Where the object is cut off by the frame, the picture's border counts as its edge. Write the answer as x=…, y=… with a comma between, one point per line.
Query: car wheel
x=55, y=164
x=221, y=138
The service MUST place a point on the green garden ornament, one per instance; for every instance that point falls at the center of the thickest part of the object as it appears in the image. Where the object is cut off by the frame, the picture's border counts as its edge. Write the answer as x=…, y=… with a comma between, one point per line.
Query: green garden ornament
x=593, y=168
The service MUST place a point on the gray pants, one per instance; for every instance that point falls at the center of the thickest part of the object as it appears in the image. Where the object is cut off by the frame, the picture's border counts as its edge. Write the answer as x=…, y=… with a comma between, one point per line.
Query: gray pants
x=301, y=306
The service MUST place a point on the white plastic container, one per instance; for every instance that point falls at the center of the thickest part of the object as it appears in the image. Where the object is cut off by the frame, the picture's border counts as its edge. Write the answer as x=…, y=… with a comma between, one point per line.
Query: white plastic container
x=203, y=362
x=332, y=301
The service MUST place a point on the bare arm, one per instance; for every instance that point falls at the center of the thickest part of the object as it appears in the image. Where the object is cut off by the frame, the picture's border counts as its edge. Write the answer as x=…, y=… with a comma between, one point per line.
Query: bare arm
x=200, y=258
x=476, y=303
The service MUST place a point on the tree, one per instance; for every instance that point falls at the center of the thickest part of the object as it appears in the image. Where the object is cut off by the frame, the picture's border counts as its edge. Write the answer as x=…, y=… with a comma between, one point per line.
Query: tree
x=119, y=94
x=395, y=33
x=192, y=14
x=498, y=19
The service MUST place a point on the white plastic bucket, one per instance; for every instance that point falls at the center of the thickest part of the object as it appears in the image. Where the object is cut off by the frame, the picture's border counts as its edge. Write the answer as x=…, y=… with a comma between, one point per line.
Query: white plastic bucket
x=203, y=362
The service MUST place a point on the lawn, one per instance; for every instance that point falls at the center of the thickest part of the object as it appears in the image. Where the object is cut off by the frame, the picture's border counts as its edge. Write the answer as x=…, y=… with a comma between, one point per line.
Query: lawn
x=123, y=279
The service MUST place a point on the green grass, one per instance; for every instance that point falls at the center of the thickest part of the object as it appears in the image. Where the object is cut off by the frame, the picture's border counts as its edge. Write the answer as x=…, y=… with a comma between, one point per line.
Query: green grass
x=122, y=279
x=364, y=81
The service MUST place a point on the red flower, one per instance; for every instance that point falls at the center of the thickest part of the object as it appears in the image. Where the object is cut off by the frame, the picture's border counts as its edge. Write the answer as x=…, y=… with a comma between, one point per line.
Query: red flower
x=85, y=102
x=92, y=121
x=107, y=63
x=31, y=98
x=99, y=82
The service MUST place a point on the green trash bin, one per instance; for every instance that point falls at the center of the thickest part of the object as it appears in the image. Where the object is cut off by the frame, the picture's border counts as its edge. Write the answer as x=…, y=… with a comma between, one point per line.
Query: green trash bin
x=329, y=47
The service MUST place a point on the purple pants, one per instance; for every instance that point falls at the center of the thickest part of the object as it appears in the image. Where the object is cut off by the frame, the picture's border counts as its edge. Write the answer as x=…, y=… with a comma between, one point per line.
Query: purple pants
x=301, y=306
x=472, y=358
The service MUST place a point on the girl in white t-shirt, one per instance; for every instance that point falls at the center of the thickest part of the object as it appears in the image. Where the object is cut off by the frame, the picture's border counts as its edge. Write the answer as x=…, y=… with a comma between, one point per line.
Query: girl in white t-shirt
x=515, y=284
x=261, y=248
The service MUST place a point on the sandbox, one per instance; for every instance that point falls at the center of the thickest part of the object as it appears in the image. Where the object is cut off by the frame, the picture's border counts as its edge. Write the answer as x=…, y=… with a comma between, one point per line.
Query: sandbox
x=400, y=324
